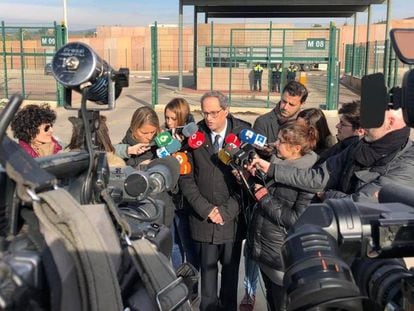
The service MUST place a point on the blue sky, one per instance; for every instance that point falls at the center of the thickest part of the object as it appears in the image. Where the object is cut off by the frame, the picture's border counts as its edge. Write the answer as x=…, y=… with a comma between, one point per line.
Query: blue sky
x=84, y=14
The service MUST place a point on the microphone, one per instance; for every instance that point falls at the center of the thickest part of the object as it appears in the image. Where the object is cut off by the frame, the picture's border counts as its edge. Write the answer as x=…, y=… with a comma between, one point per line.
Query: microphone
x=181, y=157
x=189, y=129
x=162, y=139
x=250, y=137
x=225, y=157
x=232, y=139
x=185, y=166
x=173, y=147
x=196, y=140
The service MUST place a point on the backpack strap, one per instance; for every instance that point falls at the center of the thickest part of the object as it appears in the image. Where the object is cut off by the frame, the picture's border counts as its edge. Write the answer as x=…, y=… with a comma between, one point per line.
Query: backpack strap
x=64, y=222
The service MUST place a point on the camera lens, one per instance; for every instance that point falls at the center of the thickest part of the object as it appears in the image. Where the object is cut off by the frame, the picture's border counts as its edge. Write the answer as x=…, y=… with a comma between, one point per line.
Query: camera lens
x=315, y=274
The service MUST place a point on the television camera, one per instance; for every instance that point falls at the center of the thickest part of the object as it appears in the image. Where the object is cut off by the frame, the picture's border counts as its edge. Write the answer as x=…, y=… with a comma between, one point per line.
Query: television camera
x=343, y=255
x=65, y=242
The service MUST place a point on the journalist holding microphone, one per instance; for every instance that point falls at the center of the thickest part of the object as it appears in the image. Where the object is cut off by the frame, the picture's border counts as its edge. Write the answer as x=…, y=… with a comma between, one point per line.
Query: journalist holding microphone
x=212, y=192
x=279, y=207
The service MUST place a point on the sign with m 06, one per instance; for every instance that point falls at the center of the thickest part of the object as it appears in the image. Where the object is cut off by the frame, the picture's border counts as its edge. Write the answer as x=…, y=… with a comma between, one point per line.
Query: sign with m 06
x=48, y=41
x=315, y=44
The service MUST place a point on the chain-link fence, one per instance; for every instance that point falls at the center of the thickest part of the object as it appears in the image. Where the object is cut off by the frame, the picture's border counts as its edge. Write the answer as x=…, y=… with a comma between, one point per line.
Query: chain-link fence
x=25, y=61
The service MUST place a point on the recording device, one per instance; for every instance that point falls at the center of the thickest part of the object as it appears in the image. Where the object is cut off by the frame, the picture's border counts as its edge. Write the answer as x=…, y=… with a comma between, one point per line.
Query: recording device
x=342, y=255
x=186, y=130
x=160, y=175
x=69, y=245
x=169, y=149
x=185, y=165
x=250, y=137
x=196, y=140
x=162, y=139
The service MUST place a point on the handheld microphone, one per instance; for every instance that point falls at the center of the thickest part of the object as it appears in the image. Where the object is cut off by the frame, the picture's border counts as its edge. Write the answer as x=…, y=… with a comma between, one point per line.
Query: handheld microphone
x=252, y=138
x=232, y=139
x=196, y=140
x=225, y=157
x=185, y=168
x=173, y=147
x=189, y=129
x=162, y=139
x=181, y=157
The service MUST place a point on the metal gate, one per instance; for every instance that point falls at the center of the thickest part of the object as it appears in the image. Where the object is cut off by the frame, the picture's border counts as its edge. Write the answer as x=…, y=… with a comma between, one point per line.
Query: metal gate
x=229, y=63
x=25, y=61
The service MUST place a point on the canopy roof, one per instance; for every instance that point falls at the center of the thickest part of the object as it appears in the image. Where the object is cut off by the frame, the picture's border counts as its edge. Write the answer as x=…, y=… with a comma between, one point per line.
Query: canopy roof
x=279, y=8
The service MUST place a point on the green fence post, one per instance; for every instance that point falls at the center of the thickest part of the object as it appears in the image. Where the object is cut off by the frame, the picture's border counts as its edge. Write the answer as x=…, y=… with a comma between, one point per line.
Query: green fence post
x=269, y=64
x=375, y=56
x=11, y=57
x=3, y=36
x=283, y=77
x=22, y=61
x=231, y=63
x=330, y=103
x=211, y=55
x=60, y=34
x=154, y=64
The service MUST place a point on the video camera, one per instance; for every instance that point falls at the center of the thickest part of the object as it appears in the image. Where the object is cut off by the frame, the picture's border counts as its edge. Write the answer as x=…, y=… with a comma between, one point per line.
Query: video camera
x=66, y=244
x=342, y=255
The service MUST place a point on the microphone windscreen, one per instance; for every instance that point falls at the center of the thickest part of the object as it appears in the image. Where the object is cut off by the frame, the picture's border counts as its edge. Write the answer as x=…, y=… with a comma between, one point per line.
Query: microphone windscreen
x=162, y=139
x=232, y=139
x=185, y=168
x=260, y=141
x=196, y=140
x=247, y=136
x=189, y=129
x=173, y=146
x=181, y=157
x=224, y=157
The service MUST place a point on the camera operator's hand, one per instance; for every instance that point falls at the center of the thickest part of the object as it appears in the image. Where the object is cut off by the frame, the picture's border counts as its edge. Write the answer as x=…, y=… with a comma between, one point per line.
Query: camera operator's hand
x=256, y=164
x=215, y=216
x=138, y=149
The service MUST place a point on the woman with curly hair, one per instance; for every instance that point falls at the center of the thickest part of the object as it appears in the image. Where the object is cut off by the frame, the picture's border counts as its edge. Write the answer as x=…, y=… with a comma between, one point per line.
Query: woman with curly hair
x=33, y=127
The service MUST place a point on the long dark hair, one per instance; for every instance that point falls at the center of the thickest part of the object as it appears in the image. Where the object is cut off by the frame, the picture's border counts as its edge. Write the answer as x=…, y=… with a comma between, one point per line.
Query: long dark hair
x=317, y=119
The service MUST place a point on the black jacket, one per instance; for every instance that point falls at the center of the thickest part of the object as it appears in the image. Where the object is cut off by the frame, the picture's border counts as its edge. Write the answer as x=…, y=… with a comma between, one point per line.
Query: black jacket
x=135, y=160
x=210, y=184
x=275, y=214
x=268, y=125
x=338, y=148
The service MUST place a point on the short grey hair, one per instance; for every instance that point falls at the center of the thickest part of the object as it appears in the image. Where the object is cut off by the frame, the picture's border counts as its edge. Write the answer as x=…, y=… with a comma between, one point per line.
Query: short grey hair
x=223, y=99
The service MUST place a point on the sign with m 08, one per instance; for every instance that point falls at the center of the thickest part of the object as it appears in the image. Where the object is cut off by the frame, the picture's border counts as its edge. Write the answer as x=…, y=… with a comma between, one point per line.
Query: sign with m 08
x=48, y=41
x=315, y=44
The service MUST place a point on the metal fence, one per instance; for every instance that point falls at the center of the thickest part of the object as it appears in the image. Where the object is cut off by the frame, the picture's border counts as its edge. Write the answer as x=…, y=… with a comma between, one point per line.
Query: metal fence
x=369, y=58
x=226, y=57
x=25, y=57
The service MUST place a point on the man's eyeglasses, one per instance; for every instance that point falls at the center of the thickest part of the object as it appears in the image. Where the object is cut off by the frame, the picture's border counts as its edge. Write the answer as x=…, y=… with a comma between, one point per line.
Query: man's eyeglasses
x=212, y=114
x=47, y=127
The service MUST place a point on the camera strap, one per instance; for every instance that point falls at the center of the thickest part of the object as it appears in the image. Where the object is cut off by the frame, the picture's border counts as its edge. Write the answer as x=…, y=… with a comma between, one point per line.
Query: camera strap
x=84, y=245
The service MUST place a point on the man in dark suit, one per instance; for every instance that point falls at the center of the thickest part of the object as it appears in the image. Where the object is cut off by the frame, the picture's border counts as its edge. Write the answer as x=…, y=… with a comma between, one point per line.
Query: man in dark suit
x=293, y=97
x=213, y=194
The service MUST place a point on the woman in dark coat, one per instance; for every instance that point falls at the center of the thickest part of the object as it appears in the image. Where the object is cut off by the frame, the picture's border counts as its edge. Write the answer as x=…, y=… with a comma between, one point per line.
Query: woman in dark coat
x=278, y=209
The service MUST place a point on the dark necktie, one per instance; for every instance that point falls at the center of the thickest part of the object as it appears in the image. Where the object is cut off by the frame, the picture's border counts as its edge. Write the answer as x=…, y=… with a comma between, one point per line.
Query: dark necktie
x=216, y=144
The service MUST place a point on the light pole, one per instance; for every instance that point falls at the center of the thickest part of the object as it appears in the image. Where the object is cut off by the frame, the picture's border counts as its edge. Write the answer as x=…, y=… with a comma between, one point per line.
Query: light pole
x=65, y=19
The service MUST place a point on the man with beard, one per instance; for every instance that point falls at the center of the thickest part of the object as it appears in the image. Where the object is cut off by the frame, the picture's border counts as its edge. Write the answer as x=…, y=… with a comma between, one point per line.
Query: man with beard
x=293, y=98
x=385, y=155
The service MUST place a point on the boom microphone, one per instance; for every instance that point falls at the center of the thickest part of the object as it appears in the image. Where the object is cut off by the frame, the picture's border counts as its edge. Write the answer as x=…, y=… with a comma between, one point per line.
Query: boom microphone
x=196, y=140
x=173, y=147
